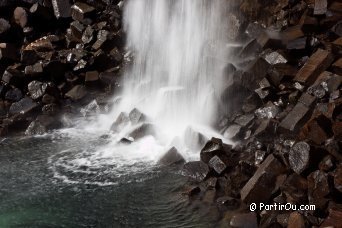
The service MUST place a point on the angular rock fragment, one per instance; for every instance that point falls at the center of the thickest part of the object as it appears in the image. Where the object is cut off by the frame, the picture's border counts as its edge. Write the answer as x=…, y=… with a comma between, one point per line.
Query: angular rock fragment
x=260, y=187
x=211, y=148
x=121, y=121
x=338, y=178
x=296, y=220
x=194, y=139
x=244, y=120
x=34, y=70
x=297, y=44
x=217, y=164
x=320, y=7
x=326, y=164
x=102, y=37
x=244, y=220
x=14, y=95
x=171, y=157
x=228, y=202
x=81, y=10
x=23, y=106
x=42, y=124
x=316, y=64
x=37, y=89
x=299, y=157
x=334, y=218
x=4, y=25
x=316, y=130
x=293, y=121
x=197, y=170
x=77, y=93
x=61, y=8
x=318, y=189
x=295, y=188
x=142, y=131
x=77, y=30
x=91, y=76
x=14, y=77
x=267, y=112
x=233, y=131
x=88, y=35
x=20, y=16
x=8, y=51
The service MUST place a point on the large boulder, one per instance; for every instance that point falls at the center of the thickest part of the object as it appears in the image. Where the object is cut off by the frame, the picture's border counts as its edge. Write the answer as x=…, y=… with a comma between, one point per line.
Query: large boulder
x=23, y=106
x=171, y=157
x=196, y=170
x=42, y=124
x=142, y=131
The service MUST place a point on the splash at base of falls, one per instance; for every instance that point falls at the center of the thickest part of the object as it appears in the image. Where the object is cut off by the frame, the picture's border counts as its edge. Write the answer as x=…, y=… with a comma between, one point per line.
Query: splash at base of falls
x=179, y=50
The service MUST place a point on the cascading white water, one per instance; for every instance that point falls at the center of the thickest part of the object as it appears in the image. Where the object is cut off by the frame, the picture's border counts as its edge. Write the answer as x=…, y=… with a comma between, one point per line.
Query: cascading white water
x=179, y=53
x=178, y=48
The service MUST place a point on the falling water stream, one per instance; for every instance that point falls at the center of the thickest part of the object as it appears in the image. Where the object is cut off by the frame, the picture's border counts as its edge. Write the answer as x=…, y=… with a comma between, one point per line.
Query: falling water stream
x=83, y=176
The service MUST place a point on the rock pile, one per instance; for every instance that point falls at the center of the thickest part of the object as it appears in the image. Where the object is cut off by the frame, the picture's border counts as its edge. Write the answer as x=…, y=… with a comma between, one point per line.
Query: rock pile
x=54, y=57
x=284, y=108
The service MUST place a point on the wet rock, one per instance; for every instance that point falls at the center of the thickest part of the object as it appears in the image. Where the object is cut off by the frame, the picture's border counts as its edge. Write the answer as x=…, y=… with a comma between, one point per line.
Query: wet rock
x=318, y=189
x=233, y=132
x=307, y=100
x=34, y=70
x=171, y=157
x=244, y=120
x=61, y=8
x=299, y=157
x=211, y=148
x=295, y=189
x=317, y=130
x=23, y=106
x=126, y=141
x=28, y=56
x=295, y=119
x=297, y=44
x=42, y=124
x=326, y=164
x=338, y=178
x=316, y=64
x=37, y=89
x=77, y=93
x=91, y=76
x=50, y=109
x=80, y=65
x=337, y=129
x=255, y=72
x=194, y=139
x=14, y=77
x=81, y=10
x=14, y=95
x=77, y=30
x=92, y=108
x=260, y=187
x=275, y=58
x=247, y=220
x=268, y=112
x=296, y=220
x=88, y=35
x=192, y=191
x=135, y=116
x=4, y=25
x=197, y=170
x=334, y=219
x=20, y=16
x=142, y=131
x=228, y=202
x=211, y=183
x=8, y=51
x=121, y=121
x=264, y=129
x=102, y=37
x=320, y=7
x=217, y=164
x=337, y=66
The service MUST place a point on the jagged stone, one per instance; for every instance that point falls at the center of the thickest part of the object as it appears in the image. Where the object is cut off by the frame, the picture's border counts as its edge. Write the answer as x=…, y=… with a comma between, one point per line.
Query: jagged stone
x=338, y=178
x=20, y=16
x=41, y=125
x=91, y=76
x=171, y=157
x=326, y=164
x=296, y=118
x=23, y=106
x=135, y=116
x=244, y=220
x=320, y=7
x=142, y=131
x=244, y=120
x=77, y=93
x=8, y=51
x=88, y=35
x=194, y=139
x=217, y=164
x=211, y=148
x=61, y=8
x=260, y=187
x=299, y=157
x=295, y=189
x=37, y=89
x=334, y=218
x=77, y=30
x=228, y=202
x=196, y=170
x=316, y=64
x=296, y=220
x=34, y=70
x=81, y=10
x=121, y=121
x=14, y=95
x=318, y=189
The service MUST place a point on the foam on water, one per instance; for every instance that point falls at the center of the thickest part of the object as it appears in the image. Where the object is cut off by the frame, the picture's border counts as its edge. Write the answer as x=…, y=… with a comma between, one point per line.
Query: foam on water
x=175, y=79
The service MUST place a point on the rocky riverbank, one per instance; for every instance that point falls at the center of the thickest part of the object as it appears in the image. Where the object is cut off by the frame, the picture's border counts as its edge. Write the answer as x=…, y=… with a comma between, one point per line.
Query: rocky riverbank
x=284, y=109
x=56, y=57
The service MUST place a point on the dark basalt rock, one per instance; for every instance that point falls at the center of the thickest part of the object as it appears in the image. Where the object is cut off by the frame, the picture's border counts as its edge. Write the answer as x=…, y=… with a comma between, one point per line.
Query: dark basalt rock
x=196, y=170
x=24, y=106
x=42, y=124
x=142, y=131
x=14, y=95
x=217, y=164
x=171, y=157
x=77, y=93
x=299, y=157
x=37, y=89
x=212, y=148
x=121, y=121
x=61, y=8
x=135, y=116
x=244, y=220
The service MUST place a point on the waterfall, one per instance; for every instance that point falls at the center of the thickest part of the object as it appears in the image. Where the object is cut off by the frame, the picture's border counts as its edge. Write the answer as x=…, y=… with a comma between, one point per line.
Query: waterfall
x=179, y=49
